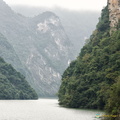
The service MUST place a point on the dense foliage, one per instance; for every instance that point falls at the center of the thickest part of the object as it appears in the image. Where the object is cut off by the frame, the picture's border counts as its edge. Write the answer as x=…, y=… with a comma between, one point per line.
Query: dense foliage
x=113, y=104
x=93, y=79
x=13, y=85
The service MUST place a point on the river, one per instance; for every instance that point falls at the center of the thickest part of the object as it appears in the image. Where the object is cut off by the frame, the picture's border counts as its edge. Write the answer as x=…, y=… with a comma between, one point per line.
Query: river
x=42, y=109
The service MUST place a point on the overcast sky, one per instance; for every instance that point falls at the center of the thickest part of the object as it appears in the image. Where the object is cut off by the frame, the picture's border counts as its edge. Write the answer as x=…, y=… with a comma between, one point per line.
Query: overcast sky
x=69, y=4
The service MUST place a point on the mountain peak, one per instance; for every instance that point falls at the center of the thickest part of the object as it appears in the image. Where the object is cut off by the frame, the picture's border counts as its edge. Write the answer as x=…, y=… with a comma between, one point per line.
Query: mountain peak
x=46, y=15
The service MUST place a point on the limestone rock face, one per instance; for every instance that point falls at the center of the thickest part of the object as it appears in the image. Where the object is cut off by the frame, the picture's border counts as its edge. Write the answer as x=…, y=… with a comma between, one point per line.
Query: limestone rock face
x=114, y=13
x=41, y=46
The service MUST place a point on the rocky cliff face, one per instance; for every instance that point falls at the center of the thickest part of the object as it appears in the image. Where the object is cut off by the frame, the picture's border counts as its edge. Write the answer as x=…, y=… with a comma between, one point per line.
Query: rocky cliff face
x=77, y=29
x=8, y=53
x=114, y=13
x=41, y=45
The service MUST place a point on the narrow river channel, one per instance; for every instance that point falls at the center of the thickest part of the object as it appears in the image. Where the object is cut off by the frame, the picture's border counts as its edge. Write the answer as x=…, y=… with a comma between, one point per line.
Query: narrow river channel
x=42, y=109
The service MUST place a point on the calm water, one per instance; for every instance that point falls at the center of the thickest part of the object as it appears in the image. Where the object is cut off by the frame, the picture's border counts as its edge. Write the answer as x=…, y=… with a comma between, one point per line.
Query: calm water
x=42, y=109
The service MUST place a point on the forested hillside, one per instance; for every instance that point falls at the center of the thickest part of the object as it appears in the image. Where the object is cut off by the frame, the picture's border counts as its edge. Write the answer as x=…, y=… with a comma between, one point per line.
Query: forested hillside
x=93, y=79
x=13, y=85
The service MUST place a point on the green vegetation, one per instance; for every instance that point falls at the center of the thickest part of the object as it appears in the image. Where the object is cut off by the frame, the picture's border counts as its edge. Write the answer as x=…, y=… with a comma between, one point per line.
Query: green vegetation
x=93, y=79
x=13, y=85
x=113, y=105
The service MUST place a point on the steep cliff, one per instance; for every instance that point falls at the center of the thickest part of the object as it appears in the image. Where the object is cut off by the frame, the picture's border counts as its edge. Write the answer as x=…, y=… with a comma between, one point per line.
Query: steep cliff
x=40, y=43
x=114, y=13
x=8, y=53
x=75, y=23
x=12, y=83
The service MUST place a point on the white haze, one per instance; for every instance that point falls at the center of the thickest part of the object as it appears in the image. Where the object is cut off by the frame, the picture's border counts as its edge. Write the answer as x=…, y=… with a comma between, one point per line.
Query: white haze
x=95, y=5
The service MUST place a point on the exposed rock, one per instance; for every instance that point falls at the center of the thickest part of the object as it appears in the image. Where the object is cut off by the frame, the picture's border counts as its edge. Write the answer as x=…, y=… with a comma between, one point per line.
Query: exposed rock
x=41, y=45
x=114, y=13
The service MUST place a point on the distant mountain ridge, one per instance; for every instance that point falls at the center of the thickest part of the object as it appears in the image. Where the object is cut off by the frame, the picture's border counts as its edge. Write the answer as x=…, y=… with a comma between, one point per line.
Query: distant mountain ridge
x=40, y=43
x=75, y=23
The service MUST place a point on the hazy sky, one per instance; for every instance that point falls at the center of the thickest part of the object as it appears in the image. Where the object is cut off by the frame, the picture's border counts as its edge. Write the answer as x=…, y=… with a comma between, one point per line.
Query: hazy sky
x=70, y=4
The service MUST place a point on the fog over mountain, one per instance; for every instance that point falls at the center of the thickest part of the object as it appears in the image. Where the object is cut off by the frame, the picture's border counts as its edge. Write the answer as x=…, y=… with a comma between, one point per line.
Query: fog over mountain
x=40, y=43
x=77, y=24
x=44, y=43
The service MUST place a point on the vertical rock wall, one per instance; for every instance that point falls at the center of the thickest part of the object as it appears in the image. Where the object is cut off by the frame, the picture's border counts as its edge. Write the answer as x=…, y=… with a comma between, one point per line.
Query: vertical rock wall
x=114, y=13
